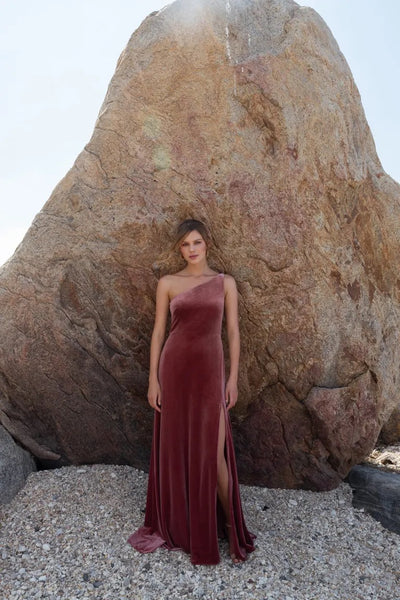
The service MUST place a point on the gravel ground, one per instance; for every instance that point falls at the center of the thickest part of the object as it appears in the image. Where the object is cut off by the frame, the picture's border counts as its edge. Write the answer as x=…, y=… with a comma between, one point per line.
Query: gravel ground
x=64, y=537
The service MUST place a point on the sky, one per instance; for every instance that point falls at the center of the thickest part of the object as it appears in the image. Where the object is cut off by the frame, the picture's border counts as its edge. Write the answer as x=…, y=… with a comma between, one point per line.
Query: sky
x=58, y=56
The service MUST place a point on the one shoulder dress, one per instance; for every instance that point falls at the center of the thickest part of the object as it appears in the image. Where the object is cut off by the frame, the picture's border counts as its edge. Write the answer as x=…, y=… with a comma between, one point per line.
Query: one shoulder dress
x=183, y=510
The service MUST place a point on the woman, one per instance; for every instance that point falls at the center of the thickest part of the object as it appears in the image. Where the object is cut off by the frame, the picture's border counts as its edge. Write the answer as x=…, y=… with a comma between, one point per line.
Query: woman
x=193, y=493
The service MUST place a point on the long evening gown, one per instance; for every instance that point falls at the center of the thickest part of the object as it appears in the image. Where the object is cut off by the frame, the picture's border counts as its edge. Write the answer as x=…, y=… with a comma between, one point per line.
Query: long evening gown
x=182, y=509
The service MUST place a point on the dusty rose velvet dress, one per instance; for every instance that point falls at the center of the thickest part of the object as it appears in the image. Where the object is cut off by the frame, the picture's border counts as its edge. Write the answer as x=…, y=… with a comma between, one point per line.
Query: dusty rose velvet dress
x=182, y=509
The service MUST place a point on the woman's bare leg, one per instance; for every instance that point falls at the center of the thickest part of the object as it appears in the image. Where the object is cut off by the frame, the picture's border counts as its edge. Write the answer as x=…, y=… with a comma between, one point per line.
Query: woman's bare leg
x=223, y=480
x=222, y=477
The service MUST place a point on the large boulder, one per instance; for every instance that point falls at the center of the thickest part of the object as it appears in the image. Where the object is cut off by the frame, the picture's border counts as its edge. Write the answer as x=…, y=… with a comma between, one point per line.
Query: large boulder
x=243, y=114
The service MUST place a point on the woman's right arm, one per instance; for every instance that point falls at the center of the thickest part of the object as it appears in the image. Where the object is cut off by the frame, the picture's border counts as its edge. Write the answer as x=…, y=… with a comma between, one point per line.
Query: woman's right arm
x=157, y=340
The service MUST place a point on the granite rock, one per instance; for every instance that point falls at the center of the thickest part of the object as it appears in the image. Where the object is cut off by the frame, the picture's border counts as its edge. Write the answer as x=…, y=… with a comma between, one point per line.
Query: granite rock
x=243, y=114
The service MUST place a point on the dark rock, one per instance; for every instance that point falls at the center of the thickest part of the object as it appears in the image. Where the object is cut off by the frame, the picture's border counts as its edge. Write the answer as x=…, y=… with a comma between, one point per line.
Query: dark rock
x=378, y=492
x=15, y=466
x=390, y=433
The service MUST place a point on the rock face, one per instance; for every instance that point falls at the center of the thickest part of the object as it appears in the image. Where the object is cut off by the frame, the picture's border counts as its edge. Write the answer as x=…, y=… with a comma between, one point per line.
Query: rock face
x=378, y=492
x=243, y=114
x=15, y=466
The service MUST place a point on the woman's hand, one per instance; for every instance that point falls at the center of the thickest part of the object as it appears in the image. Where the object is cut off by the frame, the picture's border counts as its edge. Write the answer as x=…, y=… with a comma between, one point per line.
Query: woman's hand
x=154, y=395
x=231, y=394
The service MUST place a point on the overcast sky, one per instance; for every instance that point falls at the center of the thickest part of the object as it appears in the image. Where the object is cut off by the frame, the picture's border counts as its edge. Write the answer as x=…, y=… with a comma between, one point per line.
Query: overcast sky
x=58, y=56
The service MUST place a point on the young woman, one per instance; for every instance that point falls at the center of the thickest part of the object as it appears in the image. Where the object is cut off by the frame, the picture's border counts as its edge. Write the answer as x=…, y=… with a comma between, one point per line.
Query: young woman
x=193, y=493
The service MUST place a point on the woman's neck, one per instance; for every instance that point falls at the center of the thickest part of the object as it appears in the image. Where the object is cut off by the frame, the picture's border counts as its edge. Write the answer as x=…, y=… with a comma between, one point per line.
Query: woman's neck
x=198, y=270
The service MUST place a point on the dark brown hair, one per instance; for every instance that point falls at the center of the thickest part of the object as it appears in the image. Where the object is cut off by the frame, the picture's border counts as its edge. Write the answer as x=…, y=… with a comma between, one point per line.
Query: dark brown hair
x=186, y=227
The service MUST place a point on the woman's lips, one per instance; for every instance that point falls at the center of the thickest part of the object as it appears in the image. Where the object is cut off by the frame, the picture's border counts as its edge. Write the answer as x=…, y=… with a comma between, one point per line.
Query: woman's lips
x=193, y=255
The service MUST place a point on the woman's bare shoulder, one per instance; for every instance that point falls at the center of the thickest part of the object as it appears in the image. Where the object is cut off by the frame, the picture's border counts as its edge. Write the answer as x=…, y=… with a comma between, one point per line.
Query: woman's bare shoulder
x=169, y=279
x=168, y=283
x=164, y=283
x=229, y=282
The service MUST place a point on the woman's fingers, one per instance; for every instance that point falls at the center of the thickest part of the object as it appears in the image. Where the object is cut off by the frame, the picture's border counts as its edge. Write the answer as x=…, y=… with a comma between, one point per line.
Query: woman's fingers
x=154, y=396
x=156, y=405
x=158, y=402
x=231, y=403
x=230, y=397
x=155, y=402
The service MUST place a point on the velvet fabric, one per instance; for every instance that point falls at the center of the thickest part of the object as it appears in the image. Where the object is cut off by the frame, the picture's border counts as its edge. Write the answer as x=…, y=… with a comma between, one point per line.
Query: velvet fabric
x=182, y=509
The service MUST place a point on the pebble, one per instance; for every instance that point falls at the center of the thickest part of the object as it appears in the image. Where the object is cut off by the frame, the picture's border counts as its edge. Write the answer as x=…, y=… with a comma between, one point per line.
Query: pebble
x=63, y=537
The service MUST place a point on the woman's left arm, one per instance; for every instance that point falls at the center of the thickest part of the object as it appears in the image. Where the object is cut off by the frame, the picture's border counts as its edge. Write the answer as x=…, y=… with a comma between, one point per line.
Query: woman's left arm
x=232, y=326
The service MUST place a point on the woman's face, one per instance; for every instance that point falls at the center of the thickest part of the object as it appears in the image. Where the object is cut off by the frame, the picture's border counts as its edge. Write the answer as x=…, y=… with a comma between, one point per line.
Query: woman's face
x=193, y=248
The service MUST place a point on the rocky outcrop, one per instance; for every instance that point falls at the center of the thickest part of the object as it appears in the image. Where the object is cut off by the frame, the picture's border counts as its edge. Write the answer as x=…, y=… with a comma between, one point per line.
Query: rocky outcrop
x=243, y=114
x=378, y=492
x=15, y=466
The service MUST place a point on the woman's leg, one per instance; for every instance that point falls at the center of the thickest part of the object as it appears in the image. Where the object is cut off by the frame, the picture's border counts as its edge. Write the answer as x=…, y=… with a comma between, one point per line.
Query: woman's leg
x=223, y=481
x=222, y=477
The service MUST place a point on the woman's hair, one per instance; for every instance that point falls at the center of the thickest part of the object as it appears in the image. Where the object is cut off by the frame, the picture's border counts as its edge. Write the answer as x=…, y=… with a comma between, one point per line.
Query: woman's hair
x=191, y=225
